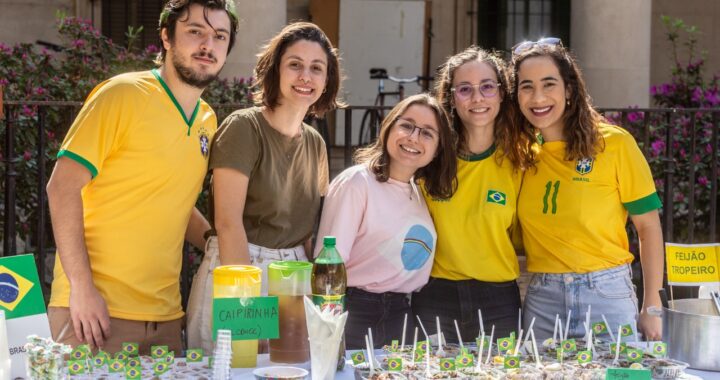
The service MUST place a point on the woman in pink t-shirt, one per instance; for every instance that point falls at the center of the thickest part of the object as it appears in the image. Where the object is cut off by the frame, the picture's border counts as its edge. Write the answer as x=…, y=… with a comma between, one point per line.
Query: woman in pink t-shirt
x=384, y=232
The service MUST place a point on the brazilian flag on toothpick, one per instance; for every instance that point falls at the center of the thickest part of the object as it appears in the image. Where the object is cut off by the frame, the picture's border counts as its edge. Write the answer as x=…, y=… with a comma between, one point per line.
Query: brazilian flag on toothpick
x=623, y=348
x=511, y=362
x=116, y=366
x=626, y=330
x=463, y=361
x=634, y=355
x=130, y=348
x=659, y=349
x=599, y=328
x=584, y=357
x=158, y=351
x=194, y=355
x=133, y=362
x=122, y=356
x=418, y=356
x=133, y=373
x=422, y=346
x=506, y=344
x=159, y=368
x=81, y=352
x=101, y=359
x=395, y=364
x=358, y=358
x=569, y=345
x=447, y=364
x=394, y=345
x=76, y=367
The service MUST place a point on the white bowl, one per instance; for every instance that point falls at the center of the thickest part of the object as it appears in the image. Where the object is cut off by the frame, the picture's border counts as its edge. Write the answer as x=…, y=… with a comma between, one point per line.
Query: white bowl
x=280, y=373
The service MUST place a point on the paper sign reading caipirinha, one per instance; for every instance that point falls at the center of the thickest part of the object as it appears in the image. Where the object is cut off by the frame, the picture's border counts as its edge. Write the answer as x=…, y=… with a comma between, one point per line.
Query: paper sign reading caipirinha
x=692, y=264
x=247, y=318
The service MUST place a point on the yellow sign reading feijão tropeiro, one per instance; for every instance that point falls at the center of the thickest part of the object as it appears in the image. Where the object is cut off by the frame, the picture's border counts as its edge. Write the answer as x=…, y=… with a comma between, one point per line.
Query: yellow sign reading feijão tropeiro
x=692, y=264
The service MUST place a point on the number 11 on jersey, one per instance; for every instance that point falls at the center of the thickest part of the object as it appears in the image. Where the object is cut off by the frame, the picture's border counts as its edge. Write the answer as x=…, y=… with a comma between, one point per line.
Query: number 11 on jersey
x=548, y=187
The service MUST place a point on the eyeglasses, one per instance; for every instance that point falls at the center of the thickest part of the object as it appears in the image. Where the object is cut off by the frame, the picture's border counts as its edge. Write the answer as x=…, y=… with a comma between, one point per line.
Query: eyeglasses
x=465, y=91
x=526, y=45
x=407, y=128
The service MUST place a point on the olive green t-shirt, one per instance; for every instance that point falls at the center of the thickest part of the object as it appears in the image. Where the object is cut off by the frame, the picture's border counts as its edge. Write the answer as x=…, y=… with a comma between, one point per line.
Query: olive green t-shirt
x=287, y=176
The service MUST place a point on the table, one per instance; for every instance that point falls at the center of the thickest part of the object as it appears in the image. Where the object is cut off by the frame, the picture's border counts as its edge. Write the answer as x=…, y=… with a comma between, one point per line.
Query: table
x=348, y=373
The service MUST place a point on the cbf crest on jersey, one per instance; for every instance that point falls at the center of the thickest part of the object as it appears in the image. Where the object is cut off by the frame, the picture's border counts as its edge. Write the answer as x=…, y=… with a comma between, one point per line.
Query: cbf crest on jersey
x=584, y=166
x=204, y=142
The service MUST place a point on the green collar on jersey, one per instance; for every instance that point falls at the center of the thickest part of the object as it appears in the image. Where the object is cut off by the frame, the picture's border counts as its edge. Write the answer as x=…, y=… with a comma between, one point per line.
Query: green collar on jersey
x=189, y=123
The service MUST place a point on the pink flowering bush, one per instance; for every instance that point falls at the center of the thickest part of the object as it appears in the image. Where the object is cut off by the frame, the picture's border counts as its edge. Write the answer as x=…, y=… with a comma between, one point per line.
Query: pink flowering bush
x=687, y=88
x=85, y=58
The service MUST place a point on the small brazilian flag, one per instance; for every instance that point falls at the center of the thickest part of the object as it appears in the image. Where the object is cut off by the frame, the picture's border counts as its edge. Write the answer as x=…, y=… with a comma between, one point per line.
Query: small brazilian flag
x=447, y=364
x=76, y=367
x=498, y=197
x=599, y=328
x=80, y=352
x=464, y=361
x=394, y=345
x=569, y=345
x=130, y=348
x=485, y=342
x=159, y=368
x=133, y=373
x=101, y=359
x=121, y=355
x=422, y=346
x=512, y=362
x=634, y=355
x=158, y=351
x=584, y=357
x=659, y=349
x=169, y=357
x=560, y=354
x=506, y=344
x=358, y=358
x=194, y=355
x=116, y=366
x=395, y=364
x=623, y=348
x=133, y=362
x=626, y=330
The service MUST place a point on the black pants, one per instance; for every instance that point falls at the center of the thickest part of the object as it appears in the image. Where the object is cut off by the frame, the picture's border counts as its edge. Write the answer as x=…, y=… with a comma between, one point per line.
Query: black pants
x=382, y=312
x=460, y=300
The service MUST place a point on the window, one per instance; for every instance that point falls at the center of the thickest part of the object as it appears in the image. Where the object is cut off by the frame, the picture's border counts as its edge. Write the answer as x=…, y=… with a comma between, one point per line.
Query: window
x=504, y=23
x=118, y=15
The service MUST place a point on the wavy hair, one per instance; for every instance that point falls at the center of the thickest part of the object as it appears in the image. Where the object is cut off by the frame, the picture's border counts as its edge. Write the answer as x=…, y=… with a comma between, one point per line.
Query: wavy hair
x=440, y=175
x=267, y=70
x=580, y=119
x=512, y=143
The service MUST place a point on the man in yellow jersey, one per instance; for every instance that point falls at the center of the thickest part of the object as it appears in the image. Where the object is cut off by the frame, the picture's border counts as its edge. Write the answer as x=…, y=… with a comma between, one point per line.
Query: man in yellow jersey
x=122, y=193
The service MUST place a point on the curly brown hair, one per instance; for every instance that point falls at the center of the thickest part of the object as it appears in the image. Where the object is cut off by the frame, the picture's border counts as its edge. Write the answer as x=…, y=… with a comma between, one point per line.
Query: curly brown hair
x=267, y=70
x=440, y=175
x=509, y=140
x=581, y=134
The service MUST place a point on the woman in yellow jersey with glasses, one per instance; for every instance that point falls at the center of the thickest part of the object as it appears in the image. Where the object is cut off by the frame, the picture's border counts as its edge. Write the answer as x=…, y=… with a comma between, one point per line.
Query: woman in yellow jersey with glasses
x=475, y=264
x=574, y=204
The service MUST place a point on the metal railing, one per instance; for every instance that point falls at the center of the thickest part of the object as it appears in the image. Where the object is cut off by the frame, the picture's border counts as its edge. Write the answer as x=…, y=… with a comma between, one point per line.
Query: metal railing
x=31, y=132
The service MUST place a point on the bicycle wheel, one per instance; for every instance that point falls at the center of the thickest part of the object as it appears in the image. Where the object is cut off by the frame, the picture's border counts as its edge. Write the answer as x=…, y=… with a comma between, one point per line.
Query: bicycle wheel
x=369, y=127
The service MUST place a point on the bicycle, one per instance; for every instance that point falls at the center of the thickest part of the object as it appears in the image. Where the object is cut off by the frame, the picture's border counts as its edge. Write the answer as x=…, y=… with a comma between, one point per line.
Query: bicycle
x=372, y=118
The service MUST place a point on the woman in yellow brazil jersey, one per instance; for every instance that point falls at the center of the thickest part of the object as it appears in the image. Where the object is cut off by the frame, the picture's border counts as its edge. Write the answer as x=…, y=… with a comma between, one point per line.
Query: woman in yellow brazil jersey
x=475, y=265
x=574, y=204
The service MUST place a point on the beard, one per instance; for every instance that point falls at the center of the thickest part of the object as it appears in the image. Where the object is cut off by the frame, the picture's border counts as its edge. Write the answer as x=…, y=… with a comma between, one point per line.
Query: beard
x=189, y=75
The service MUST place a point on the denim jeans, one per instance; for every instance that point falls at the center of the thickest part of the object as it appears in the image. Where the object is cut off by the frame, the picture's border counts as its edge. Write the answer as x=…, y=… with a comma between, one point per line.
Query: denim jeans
x=460, y=300
x=382, y=312
x=610, y=292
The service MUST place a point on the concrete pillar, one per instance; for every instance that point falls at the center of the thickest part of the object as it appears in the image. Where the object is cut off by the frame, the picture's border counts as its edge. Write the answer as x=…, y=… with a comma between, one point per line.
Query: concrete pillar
x=259, y=21
x=611, y=39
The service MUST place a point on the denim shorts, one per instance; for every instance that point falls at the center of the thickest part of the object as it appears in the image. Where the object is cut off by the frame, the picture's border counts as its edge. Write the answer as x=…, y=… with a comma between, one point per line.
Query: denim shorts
x=609, y=292
x=460, y=300
x=383, y=312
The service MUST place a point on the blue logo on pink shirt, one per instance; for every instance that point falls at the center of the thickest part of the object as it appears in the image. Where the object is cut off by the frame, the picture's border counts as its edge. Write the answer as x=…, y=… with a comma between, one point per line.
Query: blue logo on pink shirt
x=417, y=247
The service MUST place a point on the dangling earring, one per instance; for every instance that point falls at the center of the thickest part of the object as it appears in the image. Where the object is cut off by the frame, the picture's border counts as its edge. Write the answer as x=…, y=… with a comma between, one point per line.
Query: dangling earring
x=567, y=102
x=324, y=90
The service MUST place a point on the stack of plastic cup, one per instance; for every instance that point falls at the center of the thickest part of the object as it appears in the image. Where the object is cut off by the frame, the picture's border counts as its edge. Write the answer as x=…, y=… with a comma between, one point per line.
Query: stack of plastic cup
x=222, y=355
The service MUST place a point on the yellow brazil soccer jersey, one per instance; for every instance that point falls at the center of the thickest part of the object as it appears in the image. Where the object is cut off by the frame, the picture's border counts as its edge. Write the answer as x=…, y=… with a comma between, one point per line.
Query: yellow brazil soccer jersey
x=474, y=226
x=148, y=162
x=573, y=213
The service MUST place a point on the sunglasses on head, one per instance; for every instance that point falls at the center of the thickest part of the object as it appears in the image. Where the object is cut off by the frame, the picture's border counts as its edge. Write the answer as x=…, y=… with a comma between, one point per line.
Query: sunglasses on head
x=527, y=45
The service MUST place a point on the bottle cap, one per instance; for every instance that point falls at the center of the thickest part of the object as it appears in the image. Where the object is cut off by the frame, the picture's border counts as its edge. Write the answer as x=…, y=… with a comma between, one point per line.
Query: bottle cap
x=329, y=240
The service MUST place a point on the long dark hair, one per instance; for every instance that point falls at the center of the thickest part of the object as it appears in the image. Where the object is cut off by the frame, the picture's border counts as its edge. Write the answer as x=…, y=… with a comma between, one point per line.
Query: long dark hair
x=440, y=180
x=580, y=119
x=511, y=142
x=267, y=70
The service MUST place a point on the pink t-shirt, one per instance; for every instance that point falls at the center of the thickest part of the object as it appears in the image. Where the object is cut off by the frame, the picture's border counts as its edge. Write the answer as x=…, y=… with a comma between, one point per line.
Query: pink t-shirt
x=384, y=231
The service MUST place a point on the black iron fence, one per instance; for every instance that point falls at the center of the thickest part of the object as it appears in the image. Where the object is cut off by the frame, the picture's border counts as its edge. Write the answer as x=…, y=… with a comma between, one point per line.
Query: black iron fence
x=681, y=146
